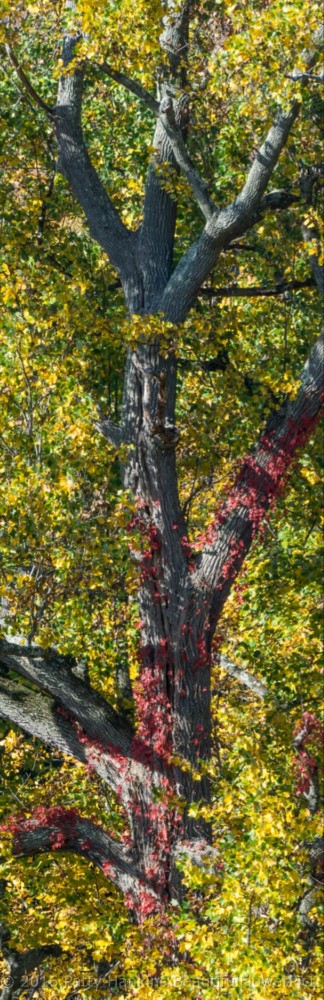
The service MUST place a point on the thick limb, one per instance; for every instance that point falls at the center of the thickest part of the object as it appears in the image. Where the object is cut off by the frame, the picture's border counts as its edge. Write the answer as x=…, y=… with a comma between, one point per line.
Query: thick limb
x=64, y=830
x=74, y=162
x=156, y=235
x=38, y=715
x=52, y=673
x=258, y=483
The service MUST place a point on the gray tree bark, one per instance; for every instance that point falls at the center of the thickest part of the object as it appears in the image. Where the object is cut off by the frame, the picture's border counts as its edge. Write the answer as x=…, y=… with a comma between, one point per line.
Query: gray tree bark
x=180, y=596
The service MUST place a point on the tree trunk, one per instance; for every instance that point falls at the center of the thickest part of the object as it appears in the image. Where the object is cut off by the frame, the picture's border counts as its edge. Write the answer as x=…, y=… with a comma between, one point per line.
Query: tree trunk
x=155, y=768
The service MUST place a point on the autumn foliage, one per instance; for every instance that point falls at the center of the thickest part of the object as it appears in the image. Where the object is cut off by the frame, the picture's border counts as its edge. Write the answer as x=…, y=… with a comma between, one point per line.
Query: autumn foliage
x=161, y=733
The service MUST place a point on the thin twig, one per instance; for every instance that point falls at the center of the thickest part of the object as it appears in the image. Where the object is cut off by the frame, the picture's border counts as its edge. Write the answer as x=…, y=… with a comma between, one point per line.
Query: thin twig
x=26, y=82
x=255, y=291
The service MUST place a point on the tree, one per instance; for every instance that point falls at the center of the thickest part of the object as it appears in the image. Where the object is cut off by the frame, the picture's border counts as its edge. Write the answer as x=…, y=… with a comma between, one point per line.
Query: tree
x=152, y=748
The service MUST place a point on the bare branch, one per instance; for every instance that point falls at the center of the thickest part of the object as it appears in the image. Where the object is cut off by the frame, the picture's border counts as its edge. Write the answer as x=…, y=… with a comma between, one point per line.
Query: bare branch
x=267, y=157
x=309, y=57
x=37, y=716
x=222, y=228
x=300, y=77
x=75, y=164
x=265, y=161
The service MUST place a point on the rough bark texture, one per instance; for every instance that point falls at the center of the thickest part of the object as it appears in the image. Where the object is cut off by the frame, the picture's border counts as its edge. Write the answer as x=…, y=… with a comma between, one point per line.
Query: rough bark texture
x=181, y=596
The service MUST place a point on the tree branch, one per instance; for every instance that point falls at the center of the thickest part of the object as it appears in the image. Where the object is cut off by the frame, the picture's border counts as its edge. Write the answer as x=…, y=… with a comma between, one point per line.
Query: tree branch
x=309, y=767
x=265, y=161
x=75, y=164
x=60, y=829
x=27, y=85
x=22, y=963
x=156, y=235
x=311, y=237
x=245, y=677
x=198, y=186
x=38, y=715
x=133, y=86
x=277, y=200
x=232, y=221
x=51, y=672
x=309, y=57
x=258, y=483
x=111, y=431
x=165, y=111
x=256, y=291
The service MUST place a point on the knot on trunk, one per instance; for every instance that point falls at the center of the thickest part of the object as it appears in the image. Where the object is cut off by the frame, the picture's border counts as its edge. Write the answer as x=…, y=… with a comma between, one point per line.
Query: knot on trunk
x=166, y=435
